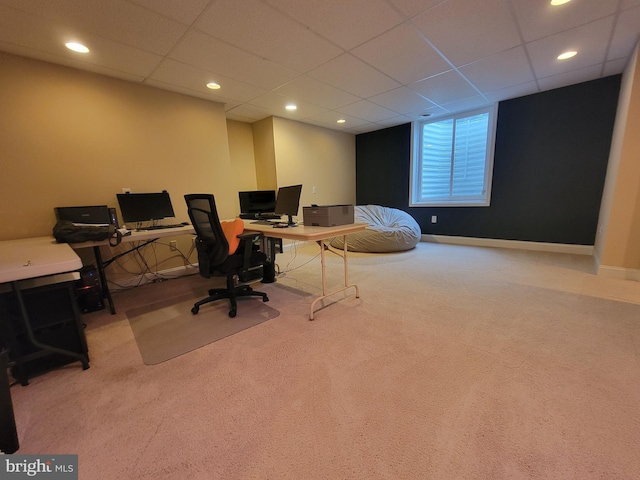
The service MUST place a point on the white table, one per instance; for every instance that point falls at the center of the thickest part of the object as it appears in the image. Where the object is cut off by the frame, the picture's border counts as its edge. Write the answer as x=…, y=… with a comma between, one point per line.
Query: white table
x=35, y=257
x=318, y=235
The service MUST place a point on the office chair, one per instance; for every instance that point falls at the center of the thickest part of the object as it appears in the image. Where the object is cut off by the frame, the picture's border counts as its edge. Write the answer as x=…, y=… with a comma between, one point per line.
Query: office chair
x=223, y=250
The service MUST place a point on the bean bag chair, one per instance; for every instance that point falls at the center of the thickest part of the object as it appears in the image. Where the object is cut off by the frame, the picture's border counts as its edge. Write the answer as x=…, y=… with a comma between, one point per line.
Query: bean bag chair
x=389, y=230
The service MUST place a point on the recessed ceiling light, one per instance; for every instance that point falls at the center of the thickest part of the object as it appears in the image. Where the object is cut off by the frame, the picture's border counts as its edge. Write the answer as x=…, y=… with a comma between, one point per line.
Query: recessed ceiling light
x=569, y=54
x=213, y=86
x=342, y=120
x=291, y=107
x=76, y=47
x=559, y=2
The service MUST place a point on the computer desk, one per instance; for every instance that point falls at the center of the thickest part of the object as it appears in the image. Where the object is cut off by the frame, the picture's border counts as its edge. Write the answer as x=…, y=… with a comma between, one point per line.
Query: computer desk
x=300, y=232
x=144, y=236
x=318, y=235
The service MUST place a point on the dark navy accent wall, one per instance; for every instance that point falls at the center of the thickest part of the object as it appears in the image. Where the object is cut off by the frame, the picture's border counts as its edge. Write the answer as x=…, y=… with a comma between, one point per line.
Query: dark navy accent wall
x=550, y=162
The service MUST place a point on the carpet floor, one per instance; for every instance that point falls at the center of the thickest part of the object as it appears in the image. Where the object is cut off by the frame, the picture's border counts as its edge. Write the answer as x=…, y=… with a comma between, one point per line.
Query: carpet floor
x=455, y=363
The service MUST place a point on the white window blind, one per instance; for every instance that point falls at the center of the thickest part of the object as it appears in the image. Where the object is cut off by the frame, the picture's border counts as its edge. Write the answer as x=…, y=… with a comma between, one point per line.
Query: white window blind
x=452, y=164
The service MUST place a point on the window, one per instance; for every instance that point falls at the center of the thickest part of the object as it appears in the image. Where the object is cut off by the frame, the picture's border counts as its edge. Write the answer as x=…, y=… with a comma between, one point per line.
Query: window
x=453, y=160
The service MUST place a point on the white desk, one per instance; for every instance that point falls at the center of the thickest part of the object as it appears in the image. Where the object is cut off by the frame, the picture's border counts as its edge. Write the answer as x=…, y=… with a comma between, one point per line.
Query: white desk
x=35, y=257
x=145, y=236
x=318, y=235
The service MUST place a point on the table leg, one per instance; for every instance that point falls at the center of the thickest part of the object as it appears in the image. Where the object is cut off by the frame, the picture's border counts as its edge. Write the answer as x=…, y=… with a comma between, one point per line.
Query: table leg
x=106, y=293
x=324, y=286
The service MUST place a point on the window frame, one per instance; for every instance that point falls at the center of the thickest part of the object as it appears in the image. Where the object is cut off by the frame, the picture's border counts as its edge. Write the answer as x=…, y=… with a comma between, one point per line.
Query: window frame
x=416, y=161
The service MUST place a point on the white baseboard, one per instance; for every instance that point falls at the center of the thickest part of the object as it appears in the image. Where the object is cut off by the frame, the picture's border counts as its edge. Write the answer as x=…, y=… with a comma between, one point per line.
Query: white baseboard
x=620, y=273
x=517, y=244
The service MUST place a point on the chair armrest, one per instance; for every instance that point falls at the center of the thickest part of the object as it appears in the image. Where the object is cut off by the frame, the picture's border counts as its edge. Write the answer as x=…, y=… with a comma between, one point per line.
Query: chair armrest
x=252, y=235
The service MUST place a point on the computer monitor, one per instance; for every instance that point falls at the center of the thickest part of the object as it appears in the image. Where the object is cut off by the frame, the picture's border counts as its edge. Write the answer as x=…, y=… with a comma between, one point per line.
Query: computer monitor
x=257, y=201
x=143, y=207
x=288, y=201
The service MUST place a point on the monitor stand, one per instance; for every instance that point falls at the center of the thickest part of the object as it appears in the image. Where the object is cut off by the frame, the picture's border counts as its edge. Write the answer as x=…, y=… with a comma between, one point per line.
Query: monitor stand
x=291, y=223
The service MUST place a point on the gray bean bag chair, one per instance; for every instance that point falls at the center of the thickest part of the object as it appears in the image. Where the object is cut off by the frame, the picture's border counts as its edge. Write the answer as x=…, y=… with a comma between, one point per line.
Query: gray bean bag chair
x=389, y=230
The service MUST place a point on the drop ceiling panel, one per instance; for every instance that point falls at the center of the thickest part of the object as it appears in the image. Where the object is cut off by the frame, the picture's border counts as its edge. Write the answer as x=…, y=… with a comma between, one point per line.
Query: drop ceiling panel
x=314, y=91
x=573, y=76
x=538, y=18
x=44, y=40
x=116, y=19
x=627, y=25
x=256, y=27
x=411, y=8
x=590, y=41
x=403, y=55
x=184, y=11
x=333, y=19
x=195, y=79
x=614, y=67
x=354, y=76
x=469, y=103
x=276, y=103
x=468, y=30
x=502, y=70
x=399, y=120
x=378, y=59
x=512, y=92
x=69, y=62
x=201, y=50
x=331, y=117
x=444, y=88
x=403, y=100
x=367, y=110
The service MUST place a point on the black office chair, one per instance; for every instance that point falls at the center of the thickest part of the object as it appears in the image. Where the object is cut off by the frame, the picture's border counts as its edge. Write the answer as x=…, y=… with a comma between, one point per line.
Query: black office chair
x=214, y=259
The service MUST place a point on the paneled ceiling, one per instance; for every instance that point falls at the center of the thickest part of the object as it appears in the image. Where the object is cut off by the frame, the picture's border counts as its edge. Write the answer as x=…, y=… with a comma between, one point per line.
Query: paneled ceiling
x=372, y=63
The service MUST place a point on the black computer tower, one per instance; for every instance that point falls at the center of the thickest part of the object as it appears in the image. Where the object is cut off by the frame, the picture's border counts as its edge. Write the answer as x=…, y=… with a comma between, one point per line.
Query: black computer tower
x=89, y=290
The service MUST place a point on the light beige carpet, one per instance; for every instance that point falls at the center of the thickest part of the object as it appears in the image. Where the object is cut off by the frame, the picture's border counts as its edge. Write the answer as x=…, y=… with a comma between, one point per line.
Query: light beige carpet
x=456, y=363
x=167, y=329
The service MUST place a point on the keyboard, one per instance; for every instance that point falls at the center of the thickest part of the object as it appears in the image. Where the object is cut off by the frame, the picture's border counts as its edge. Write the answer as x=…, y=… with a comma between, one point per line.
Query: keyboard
x=264, y=222
x=161, y=227
x=260, y=216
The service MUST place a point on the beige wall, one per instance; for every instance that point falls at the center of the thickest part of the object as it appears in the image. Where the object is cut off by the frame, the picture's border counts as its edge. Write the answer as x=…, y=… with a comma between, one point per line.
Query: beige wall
x=263, y=144
x=618, y=240
x=315, y=157
x=74, y=138
x=242, y=157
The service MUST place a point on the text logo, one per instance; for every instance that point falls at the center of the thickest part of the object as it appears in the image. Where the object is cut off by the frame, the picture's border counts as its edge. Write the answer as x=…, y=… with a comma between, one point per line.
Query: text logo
x=50, y=467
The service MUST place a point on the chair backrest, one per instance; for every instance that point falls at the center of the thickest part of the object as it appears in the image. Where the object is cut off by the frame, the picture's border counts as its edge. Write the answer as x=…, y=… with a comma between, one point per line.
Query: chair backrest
x=204, y=218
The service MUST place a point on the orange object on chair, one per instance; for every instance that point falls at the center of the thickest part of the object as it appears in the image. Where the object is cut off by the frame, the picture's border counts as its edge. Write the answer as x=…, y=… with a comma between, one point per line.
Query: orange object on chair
x=231, y=230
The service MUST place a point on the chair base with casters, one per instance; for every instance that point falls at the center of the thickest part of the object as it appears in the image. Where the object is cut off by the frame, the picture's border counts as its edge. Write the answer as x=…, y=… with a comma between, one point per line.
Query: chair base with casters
x=232, y=292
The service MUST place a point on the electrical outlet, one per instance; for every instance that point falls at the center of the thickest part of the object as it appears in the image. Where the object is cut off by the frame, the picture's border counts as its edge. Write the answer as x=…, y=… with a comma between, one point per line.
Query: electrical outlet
x=173, y=245
x=434, y=218
x=126, y=190
x=314, y=190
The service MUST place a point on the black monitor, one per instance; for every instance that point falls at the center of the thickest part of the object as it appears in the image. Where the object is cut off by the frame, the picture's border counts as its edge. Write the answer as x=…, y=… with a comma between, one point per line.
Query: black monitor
x=288, y=201
x=258, y=201
x=143, y=207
